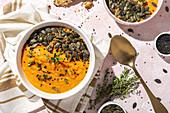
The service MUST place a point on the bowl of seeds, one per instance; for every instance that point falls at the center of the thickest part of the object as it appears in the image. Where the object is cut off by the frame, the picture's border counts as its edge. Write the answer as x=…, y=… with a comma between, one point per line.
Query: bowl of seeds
x=132, y=12
x=55, y=59
x=162, y=44
x=111, y=107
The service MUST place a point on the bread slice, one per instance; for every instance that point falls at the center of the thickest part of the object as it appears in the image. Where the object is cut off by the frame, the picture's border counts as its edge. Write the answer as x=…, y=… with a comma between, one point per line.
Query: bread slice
x=62, y=2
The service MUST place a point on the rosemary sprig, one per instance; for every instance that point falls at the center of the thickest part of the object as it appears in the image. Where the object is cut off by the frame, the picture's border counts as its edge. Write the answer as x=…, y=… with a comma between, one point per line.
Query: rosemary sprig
x=120, y=87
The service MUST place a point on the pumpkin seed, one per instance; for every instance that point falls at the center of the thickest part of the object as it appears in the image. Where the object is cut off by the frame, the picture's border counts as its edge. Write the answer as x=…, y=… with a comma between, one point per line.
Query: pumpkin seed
x=75, y=35
x=153, y=4
x=86, y=52
x=49, y=38
x=56, y=34
x=75, y=40
x=64, y=45
x=33, y=46
x=140, y=14
x=54, y=30
x=59, y=30
x=147, y=12
x=117, y=13
x=67, y=55
x=59, y=37
x=57, y=45
x=72, y=47
x=75, y=54
x=82, y=47
x=71, y=58
x=48, y=30
x=40, y=39
x=86, y=58
x=43, y=31
x=33, y=41
x=146, y=8
x=78, y=44
x=112, y=6
x=44, y=43
x=134, y=3
x=142, y=9
x=45, y=38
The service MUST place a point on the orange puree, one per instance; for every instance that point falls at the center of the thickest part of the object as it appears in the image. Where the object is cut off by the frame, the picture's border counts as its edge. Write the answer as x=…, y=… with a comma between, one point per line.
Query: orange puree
x=60, y=77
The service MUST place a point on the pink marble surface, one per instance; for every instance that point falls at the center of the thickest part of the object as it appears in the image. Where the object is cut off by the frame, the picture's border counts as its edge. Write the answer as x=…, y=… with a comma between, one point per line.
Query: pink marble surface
x=149, y=64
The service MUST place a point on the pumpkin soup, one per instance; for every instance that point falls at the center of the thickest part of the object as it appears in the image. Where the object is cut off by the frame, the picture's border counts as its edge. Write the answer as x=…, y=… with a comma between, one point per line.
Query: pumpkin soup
x=132, y=10
x=55, y=59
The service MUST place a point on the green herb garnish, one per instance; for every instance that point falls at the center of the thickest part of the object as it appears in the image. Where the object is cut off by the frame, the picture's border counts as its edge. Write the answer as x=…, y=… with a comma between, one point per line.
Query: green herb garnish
x=45, y=76
x=56, y=58
x=31, y=63
x=30, y=55
x=66, y=81
x=120, y=87
x=49, y=78
x=47, y=58
x=56, y=89
x=39, y=66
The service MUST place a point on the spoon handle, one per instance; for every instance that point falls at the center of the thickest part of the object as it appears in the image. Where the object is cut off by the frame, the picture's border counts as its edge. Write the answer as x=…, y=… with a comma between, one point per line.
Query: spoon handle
x=157, y=105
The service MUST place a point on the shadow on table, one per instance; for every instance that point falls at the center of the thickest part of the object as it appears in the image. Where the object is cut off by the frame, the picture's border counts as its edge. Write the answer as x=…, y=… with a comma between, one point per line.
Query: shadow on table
x=149, y=30
x=166, y=58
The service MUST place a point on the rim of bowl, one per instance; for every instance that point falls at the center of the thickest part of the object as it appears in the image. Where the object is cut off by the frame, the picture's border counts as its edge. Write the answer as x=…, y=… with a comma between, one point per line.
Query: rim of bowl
x=133, y=23
x=38, y=92
x=155, y=41
x=109, y=103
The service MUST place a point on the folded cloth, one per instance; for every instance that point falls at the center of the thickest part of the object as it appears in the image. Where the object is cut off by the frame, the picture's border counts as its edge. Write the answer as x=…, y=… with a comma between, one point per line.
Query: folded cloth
x=17, y=17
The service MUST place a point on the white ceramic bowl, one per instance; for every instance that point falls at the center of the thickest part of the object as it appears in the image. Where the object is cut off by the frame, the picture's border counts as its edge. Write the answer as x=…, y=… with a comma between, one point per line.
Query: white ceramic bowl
x=134, y=23
x=155, y=41
x=38, y=92
x=109, y=103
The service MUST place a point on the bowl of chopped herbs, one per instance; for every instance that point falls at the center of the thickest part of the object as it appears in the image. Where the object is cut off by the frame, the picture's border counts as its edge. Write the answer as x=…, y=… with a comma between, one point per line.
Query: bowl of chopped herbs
x=132, y=12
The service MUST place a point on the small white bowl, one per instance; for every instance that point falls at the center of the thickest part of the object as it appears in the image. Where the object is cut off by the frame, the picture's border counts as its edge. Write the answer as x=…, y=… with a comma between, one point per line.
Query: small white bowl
x=109, y=103
x=38, y=92
x=155, y=41
x=132, y=23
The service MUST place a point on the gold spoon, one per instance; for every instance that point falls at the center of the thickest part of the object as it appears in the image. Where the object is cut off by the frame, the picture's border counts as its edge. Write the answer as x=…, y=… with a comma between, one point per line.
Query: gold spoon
x=124, y=53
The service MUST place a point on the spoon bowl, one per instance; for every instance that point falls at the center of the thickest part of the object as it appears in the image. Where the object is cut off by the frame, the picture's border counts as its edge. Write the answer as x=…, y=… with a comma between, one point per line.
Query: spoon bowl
x=123, y=51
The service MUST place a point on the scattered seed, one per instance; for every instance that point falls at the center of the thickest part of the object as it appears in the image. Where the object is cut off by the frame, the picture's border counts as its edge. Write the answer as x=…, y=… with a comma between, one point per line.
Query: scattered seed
x=130, y=30
x=165, y=71
x=134, y=105
x=167, y=9
x=109, y=34
x=159, y=98
x=158, y=81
